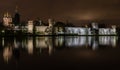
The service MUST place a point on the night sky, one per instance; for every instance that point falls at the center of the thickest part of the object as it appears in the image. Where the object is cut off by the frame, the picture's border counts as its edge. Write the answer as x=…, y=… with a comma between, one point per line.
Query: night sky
x=62, y=10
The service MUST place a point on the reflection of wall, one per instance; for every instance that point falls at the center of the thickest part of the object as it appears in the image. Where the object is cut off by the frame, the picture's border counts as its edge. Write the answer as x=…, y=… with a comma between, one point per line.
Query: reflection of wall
x=59, y=41
x=44, y=43
x=90, y=41
x=7, y=53
x=78, y=41
x=41, y=42
x=107, y=40
x=30, y=46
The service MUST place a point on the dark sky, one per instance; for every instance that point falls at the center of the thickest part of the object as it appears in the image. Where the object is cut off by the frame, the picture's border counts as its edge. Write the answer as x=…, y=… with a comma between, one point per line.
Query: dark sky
x=72, y=10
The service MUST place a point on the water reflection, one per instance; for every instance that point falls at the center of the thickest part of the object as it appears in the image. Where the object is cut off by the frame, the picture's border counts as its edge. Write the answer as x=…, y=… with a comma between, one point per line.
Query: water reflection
x=42, y=43
x=13, y=47
x=7, y=53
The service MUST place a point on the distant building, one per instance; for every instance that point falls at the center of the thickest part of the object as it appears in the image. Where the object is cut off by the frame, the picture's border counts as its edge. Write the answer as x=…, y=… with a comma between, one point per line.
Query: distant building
x=59, y=28
x=41, y=30
x=45, y=30
x=114, y=30
x=104, y=31
x=95, y=28
x=50, y=22
x=30, y=26
x=108, y=31
x=7, y=19
x=78, y=30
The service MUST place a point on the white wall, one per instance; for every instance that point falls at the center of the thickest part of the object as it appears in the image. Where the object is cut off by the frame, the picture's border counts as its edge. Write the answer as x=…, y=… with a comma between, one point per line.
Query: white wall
x=41, y=29
x=78, y=30
x=107, y=31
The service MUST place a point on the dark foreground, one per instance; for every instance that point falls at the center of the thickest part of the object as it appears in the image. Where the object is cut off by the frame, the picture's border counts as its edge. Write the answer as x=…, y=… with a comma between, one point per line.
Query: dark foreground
x=60, y=53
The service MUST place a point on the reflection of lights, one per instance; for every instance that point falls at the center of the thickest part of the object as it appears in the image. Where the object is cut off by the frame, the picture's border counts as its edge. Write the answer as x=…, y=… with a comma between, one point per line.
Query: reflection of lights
x=108, y=40
x=84, y=40
x=59, y=41
x=17, y=44
x=41, y=42
x=7, y=53
x=50, y=50
x=89, y=40
x=30, y=46
x=104, y=40
x=3, y=42
x=95, y=45
x=113, y=41
x=3, y=31
x=44, y=42
x=76, y=41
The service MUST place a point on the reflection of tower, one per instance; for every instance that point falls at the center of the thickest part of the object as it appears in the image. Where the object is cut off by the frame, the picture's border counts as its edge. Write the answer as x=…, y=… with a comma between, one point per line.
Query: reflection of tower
x=30, y=46
x=95, y=44
x=7, y=19
x=16, y=17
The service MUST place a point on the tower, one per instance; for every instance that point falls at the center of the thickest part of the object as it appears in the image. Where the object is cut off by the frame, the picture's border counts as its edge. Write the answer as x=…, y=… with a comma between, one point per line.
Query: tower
x=30, y=26
x=50, y=22
x=7, y=19
x=16, y=17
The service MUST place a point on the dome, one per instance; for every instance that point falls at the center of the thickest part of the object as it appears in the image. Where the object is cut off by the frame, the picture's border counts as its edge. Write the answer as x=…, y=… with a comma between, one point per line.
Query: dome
x=7, y=15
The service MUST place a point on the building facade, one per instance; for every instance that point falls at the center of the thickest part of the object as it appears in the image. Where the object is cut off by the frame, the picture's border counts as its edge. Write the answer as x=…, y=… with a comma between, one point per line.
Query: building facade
x=7, y=19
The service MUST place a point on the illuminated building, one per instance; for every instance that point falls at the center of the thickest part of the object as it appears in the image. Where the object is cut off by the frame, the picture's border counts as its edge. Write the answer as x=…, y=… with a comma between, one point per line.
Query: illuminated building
x=7, y=19
x=91, y=31
x=95, y=28
x=113, y=30
x=45, y=30
x=94, y=25
x=50, y=22
x=41, y=30
x=104, y=31
x=107, y=31
x=59, y=28
x=30, y=26
x=78, y=30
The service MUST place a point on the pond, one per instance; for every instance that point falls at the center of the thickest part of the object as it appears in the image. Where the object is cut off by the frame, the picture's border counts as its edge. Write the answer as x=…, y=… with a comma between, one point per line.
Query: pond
x=59, y=52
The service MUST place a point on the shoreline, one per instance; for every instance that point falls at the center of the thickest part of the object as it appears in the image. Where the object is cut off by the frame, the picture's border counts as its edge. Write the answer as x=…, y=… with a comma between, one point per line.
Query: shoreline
x=32, y=35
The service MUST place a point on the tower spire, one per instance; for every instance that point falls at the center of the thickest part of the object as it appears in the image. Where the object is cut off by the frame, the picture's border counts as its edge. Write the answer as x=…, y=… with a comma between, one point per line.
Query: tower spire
x=16, y=9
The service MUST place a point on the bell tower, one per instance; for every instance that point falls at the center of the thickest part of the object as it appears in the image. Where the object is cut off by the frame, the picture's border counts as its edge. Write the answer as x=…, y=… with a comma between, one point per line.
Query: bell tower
x=16, y=17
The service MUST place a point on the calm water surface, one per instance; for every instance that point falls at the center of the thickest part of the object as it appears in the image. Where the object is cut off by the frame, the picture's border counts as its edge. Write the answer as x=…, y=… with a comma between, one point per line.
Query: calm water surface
x=59, y=52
